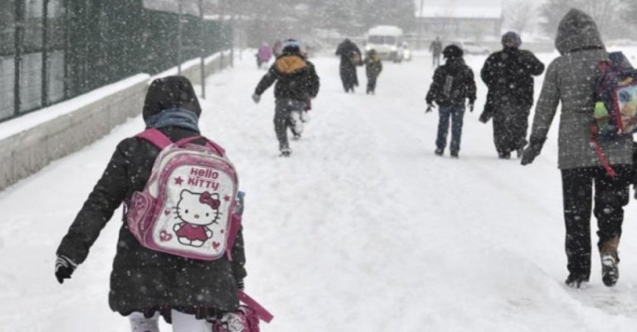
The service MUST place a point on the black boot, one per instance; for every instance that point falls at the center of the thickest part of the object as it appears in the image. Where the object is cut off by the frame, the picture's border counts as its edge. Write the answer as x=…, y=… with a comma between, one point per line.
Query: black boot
x=575, y=280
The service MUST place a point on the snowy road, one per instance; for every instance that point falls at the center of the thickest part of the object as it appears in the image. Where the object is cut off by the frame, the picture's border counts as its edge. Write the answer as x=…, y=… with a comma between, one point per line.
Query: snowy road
x=362, y=229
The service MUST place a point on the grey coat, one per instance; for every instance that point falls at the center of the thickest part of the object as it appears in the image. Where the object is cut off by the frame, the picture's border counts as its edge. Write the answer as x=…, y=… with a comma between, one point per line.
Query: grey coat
x=570, y=80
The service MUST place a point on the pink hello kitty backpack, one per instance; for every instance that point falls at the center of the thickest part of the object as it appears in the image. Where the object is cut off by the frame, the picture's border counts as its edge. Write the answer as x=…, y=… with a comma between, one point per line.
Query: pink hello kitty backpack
x=187, y=206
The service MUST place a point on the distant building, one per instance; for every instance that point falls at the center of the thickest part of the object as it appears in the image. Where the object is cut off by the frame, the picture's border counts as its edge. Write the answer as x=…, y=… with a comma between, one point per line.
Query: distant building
x=460, y=22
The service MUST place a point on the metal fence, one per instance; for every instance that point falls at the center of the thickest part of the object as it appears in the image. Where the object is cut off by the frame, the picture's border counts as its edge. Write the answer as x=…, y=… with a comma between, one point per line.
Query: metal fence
x=52, y=50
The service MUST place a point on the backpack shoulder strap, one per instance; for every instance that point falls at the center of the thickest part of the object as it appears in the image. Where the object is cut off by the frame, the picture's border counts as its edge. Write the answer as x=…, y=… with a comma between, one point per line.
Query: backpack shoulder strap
x=156, y=137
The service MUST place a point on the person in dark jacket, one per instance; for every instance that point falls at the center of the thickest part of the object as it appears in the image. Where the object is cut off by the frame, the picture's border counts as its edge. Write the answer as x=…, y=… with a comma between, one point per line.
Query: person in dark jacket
x=373, y=68
x=453, y=84
x=569, y=82
x=350, y=58
x=509, y=76
x=296, y=83
x=145, y=282
x=436, y=49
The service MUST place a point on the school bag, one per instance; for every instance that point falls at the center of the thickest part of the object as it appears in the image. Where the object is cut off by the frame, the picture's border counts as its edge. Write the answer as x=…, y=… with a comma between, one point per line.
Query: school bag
x=245, y=319
x=615, y=113
x=187, y=206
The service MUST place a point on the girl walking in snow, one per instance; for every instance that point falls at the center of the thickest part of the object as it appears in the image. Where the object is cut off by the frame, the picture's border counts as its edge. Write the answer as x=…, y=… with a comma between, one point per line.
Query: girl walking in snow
x=569, y=81
x=146, y=283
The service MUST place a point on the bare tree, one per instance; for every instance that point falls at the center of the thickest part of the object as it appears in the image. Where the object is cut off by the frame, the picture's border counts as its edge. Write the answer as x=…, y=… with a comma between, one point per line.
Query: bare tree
x=519, y=15
x=607, y=14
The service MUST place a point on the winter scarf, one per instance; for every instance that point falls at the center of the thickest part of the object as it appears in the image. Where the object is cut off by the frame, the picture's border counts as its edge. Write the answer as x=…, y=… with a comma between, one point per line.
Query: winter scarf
x=174, y=117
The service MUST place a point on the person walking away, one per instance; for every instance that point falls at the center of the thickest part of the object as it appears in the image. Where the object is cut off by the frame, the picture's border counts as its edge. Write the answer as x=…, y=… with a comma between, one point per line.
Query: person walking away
x=264, y=55
x=569, y=80
x=436, y=49
x=508, y=75
x=373, y=68
x=296, y=83
x=350, y=58
x=146, y=282
x=453, y=84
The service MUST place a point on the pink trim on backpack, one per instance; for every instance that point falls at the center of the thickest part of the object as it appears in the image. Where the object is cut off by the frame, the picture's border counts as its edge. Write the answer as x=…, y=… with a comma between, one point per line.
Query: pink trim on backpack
x=156, y=137
x=261, y=312
x=600, y=154
x=153, y=215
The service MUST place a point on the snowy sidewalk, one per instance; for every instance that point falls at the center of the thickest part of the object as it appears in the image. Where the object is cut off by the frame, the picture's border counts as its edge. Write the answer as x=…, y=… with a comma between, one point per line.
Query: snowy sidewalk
x=362, y=229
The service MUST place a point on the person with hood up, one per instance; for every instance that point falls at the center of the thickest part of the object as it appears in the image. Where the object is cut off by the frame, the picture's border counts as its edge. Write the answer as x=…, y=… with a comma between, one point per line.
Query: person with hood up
x=146, y=283
x=453, y=84
x=373, y=68
x=569, y=80
x=509, y=76
x=296, y=83
x=350, y=58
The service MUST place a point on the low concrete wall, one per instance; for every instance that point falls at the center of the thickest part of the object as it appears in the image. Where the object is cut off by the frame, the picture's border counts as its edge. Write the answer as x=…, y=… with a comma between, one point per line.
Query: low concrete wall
x=76, y=123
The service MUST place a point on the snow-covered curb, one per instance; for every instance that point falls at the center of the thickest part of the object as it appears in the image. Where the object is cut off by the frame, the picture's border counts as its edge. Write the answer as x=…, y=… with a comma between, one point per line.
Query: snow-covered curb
x=32, y=141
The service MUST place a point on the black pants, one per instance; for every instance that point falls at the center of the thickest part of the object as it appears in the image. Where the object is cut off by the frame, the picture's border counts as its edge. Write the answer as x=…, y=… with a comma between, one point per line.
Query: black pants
x=611, y=195
x=510, y=124
x=436, y=59
x=283, y=119
x=349, y=76
x=371, y=84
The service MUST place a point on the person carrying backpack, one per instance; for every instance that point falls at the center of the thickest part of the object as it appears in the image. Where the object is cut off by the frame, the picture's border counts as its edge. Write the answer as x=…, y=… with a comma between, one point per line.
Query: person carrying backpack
x=145, y=282
x=373, y=68
x=509, y=76
x=453, y=84
x=570, y=80
x=296, y=83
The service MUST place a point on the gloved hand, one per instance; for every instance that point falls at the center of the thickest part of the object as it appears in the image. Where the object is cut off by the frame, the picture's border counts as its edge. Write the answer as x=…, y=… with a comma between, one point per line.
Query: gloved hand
x=430, y=108
x=256, y=98
x=471, y=107
x=64, y=268
x=240, y=285
x=532, y=150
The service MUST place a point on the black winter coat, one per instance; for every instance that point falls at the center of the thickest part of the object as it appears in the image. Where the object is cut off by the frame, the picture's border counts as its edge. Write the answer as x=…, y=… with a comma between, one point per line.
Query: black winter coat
x=295, y=78
x=351, y=57
x=452, y=83
x=373, y=66
x=509, y=76
x=143, y=278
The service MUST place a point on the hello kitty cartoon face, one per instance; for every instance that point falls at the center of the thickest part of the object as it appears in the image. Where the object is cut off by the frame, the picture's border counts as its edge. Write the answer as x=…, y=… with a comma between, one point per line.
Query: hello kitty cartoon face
x=198, y=208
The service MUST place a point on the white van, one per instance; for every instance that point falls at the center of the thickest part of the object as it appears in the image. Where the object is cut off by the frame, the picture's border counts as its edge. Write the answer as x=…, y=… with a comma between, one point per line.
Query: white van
x=387, y=41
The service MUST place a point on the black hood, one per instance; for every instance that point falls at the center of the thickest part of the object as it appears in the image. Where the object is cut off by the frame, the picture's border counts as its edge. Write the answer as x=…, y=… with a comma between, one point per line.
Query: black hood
x=170, y=93
x=577, y=31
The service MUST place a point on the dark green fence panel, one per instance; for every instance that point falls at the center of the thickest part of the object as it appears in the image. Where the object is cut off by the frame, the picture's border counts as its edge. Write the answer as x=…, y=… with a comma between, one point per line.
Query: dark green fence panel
x=52, y=50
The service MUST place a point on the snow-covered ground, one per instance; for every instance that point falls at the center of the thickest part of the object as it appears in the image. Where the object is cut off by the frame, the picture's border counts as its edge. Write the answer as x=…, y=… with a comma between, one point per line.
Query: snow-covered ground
x=362, y=229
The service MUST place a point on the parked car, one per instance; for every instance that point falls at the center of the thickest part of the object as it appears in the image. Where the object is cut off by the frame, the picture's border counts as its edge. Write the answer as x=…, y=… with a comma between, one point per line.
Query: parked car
x=387, y=41
x=470, y=47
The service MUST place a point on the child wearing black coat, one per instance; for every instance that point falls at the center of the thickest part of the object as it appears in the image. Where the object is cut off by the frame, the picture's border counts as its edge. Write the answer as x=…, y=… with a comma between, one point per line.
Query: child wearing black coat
x=373, y=68
x=146, y=283
x=453, y=84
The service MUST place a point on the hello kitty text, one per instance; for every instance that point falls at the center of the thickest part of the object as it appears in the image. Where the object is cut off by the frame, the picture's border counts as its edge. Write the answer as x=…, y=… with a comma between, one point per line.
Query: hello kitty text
x=203, y=178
